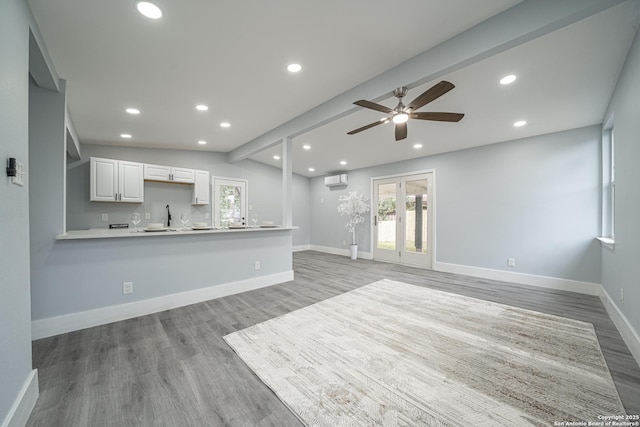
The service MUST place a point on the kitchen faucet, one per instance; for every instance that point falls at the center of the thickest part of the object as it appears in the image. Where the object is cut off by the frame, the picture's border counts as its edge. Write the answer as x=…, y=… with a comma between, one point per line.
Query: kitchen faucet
x=168, y=217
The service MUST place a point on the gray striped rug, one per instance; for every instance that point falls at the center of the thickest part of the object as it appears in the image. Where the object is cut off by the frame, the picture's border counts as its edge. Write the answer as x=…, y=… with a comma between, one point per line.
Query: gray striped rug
x=394, y=354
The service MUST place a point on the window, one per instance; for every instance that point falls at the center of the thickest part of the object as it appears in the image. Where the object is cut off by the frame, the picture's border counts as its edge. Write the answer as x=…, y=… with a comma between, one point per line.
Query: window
x=608, y=187
x=229, y=202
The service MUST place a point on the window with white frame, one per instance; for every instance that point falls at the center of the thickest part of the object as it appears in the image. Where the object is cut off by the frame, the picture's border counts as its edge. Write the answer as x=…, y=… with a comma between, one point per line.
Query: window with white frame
x=608, y=184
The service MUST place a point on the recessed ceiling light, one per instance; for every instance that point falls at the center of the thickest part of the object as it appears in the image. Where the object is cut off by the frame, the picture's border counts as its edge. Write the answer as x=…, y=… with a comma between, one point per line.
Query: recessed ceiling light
x=342, y=162
x=225, y=124
x=276, y=157
x=149, y=9
x=201, y=107
x=416, y=146
x=508, y=79
x=132, y=111
x=294, y=68
x=520, y=123
x=311, y=170
x=201, y=142
x=306, y=147
x=125, y=135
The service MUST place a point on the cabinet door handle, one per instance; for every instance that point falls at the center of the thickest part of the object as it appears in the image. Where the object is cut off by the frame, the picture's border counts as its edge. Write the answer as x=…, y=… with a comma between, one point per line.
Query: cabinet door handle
x=196, y=200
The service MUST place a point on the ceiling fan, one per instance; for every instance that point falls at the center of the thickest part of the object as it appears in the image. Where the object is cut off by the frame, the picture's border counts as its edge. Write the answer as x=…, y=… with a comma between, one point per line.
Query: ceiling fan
x=402, y=113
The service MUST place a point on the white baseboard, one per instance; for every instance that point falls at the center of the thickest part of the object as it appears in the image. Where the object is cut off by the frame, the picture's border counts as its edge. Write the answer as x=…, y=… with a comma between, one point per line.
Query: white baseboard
x=629, y=334
x=51, y=326
x=301, y=248
x=25, y=401
x=587, y=288
x=338, y=251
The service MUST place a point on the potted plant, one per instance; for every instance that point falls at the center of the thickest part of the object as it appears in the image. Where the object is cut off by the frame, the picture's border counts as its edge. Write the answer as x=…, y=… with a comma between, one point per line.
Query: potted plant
x=354, y=206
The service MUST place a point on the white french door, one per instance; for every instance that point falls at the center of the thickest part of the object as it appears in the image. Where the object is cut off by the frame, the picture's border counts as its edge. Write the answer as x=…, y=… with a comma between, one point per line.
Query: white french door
x=229, y=201
x=403, y=220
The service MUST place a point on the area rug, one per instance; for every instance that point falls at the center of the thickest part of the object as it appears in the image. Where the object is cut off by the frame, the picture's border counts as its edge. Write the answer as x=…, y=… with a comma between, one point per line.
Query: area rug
x=394, y=354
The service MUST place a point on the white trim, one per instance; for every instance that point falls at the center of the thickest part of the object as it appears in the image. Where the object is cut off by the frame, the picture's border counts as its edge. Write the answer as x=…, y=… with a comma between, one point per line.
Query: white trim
x=588, y=288
x=338, y=251
x=301, y=248
x=43, y=328
x=25, y=401
x=420, y=172
x=628, y=333
x=607, y=242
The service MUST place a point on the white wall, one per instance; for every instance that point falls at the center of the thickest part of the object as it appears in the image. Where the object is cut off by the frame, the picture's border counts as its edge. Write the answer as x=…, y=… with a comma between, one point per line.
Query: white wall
x=535, y=199
x=620, y=267
x=15, y=319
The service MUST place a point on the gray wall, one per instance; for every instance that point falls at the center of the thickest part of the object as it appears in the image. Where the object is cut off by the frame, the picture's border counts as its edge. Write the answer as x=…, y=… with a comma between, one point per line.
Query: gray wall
x=265, y=189
x=47, y=154
x=535, y=199
x=15, y=318
x=88, y=274
x=620, y=268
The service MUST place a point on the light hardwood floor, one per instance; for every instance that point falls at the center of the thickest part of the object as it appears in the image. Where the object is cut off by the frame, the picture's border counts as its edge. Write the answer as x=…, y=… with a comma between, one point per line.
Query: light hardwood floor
x=174, y=369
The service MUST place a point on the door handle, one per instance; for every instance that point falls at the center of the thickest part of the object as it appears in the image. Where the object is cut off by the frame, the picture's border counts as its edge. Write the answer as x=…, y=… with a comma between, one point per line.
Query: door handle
x=375, y=220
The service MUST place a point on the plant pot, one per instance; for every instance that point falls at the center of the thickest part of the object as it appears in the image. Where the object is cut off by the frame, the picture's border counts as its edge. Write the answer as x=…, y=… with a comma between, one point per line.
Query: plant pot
x=354, y=251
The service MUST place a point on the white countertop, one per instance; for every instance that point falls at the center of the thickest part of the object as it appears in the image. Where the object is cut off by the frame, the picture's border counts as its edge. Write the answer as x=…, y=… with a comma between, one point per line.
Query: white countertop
x=104, y=233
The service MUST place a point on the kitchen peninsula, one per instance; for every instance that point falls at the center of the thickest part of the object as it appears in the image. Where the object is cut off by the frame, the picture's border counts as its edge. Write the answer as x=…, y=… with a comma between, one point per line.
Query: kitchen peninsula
x=82, y=271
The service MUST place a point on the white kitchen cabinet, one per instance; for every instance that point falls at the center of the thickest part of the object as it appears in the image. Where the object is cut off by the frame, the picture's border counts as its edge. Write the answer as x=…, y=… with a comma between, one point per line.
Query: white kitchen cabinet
x=201, y=188
x=168, y=174
x=183, y=175
x=116, y=181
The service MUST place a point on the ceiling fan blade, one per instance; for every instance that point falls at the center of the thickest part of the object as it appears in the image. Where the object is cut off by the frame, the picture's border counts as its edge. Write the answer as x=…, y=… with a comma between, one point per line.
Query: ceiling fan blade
x=438, y=117
x=435, y=92
x=373, y=106
x=369, y=126
x=401, y=131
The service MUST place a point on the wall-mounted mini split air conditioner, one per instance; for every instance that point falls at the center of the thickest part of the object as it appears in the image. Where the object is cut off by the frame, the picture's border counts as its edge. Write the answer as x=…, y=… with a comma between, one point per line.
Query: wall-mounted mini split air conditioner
x=337, y=180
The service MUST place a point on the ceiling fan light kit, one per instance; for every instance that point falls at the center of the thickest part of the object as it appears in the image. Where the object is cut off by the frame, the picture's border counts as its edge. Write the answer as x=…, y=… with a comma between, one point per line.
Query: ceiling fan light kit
x=401, y=114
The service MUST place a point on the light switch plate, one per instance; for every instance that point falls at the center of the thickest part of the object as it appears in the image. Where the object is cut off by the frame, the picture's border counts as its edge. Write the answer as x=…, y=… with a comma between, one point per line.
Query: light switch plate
x=19, y=178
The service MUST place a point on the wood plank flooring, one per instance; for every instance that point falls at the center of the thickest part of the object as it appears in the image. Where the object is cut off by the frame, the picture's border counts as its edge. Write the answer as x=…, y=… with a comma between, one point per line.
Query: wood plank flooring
x=174, y=369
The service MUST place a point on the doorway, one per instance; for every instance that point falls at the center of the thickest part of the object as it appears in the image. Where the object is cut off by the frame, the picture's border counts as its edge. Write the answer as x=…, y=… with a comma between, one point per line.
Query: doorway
x=403, y=219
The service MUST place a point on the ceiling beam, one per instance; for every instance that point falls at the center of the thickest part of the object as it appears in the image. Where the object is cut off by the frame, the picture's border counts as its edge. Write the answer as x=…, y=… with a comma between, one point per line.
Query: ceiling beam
x=522, y=23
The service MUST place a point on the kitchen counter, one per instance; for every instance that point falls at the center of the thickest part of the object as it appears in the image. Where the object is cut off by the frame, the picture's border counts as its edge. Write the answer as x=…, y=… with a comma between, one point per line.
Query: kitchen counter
x=103, y=233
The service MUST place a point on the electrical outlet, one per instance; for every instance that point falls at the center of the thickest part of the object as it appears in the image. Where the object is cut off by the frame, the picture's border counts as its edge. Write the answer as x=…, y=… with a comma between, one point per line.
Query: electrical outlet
x=105, y=217
x=147, y=215
x=257, y=265
x=127, y=288
x=511, y=262
x=622, y=295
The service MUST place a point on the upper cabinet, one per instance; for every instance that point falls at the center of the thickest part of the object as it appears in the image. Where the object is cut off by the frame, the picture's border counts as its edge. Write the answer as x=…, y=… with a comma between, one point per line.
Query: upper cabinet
x=168, y=174
x=201, y=188
x=116, y=181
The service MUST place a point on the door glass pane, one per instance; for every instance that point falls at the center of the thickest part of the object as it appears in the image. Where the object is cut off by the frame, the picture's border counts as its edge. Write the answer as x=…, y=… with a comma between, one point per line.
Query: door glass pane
x=386, y=216
x=230, y=204
x=416, y=216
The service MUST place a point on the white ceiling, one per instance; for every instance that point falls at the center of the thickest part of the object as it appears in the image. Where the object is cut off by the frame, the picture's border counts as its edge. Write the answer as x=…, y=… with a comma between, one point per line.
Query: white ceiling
x=232, y=56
